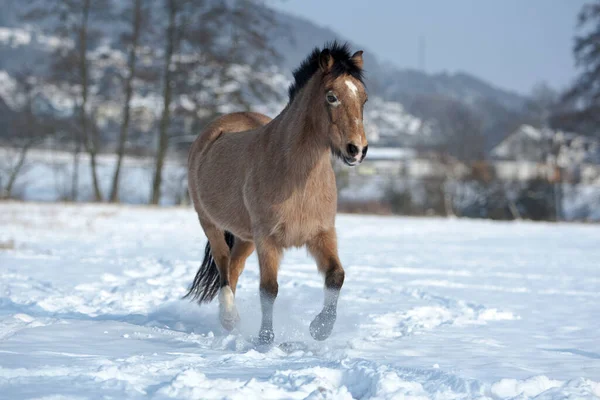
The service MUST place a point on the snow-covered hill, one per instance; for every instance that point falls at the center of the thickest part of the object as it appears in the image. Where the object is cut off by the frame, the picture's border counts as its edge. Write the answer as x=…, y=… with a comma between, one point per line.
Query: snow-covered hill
x=386, y=119
x=90, y=307
x=22, y=45
x=387, y=80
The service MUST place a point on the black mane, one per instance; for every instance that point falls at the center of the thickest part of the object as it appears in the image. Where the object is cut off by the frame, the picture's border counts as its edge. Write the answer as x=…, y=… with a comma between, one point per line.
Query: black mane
x=342, y=64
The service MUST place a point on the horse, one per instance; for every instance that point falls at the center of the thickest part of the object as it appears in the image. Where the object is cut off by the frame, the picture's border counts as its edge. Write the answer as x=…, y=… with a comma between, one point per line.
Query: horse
x=268, y=185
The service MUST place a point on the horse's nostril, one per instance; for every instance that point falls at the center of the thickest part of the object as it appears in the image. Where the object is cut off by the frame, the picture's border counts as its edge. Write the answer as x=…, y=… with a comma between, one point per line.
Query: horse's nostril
x=364, y=151
x=352, y=150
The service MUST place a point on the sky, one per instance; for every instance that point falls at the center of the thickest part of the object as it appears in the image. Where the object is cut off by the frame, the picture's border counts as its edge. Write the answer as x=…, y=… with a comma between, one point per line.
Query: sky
x=513, y=44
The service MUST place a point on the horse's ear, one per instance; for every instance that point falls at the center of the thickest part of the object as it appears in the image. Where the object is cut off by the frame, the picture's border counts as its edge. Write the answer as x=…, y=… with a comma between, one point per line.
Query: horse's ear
x=357, y=59
x=325, y=60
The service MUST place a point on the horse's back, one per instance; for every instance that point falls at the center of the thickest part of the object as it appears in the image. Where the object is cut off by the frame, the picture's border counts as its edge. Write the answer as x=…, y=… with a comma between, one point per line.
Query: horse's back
x=228, y=123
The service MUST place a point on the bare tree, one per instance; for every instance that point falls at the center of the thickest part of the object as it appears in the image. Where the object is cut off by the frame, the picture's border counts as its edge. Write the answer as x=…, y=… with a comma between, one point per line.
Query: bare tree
x=456, y=130
x=25, y=131
x=252, y=26
x=174, y=8
x=138, y=14
x=458, y=137
x=89, y=135
x=214, y=55
x=462, y=131
x=14, y=166
x=541, y=105
x=71, y=21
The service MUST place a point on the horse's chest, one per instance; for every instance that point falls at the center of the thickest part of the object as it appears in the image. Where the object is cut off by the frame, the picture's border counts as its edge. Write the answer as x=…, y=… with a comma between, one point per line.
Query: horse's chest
x=303, y=216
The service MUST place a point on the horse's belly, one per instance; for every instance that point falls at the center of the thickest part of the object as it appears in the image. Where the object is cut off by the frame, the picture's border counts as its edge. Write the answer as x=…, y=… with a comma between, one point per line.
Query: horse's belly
x=234, y=220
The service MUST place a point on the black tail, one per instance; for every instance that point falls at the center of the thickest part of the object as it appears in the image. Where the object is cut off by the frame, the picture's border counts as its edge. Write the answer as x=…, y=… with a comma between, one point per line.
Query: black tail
x=206, y=283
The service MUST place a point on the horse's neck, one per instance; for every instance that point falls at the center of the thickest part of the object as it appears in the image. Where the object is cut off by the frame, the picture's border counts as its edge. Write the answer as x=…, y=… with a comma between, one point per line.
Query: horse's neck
x=299, y=135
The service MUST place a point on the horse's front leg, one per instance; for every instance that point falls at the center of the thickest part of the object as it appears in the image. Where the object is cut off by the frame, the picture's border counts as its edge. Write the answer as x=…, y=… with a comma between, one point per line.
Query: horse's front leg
x=324, y=249
x=269, y=256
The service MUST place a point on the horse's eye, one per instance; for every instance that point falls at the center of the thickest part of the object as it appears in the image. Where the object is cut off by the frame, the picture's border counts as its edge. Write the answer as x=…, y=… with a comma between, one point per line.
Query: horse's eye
x=331, y=99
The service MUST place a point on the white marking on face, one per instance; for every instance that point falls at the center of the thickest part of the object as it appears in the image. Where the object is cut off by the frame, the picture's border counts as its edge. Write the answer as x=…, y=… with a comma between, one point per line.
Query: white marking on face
x=358, y=121
x=351, y=86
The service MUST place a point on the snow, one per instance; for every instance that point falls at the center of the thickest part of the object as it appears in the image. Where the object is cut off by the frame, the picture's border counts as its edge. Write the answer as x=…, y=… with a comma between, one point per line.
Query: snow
x=7, y=87
x=14, y=36
x=47, y=176
x=388, y=118
x=383, y=118
x=391, y=153
x=90, y=307
x=17, y=37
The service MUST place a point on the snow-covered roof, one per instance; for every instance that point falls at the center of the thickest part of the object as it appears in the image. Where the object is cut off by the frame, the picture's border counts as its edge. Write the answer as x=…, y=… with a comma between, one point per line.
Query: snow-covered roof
x=390, y=153
x=528, y=143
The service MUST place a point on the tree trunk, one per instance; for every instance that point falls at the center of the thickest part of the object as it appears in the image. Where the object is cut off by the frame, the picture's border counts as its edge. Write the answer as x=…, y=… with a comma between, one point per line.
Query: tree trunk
x=447, y=199
x=167, y=94
x=558, y=201
x=514, y=210
x=131, y=64
x=29, y=131
x=75, y=172
x=15, y=172
x=88, y=137
x=448, y=175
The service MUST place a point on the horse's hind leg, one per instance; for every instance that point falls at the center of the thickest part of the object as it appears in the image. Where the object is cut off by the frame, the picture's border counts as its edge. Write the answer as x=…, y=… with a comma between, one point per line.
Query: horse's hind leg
x=323, y=248
x=239, y=253
x=228, y=313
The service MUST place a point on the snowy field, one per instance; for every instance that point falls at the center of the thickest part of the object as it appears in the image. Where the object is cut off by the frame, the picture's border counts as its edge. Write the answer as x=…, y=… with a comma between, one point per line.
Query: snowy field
x=90, y=308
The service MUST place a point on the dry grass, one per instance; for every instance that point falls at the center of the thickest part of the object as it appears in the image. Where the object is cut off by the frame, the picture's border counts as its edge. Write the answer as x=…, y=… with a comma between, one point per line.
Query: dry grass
x=7, y=244
x=364, y=207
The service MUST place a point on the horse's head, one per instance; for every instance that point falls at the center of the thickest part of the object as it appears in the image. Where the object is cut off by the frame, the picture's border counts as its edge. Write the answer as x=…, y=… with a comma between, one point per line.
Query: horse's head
x=344, y=97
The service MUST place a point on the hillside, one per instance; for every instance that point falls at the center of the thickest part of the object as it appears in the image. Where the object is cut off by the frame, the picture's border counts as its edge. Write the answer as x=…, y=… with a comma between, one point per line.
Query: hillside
x=388, y=81
x=496, y=107
x=395, y=89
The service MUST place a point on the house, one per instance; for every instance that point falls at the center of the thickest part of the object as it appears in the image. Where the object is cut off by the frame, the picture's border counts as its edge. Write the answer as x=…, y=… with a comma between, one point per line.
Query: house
x=531, y=152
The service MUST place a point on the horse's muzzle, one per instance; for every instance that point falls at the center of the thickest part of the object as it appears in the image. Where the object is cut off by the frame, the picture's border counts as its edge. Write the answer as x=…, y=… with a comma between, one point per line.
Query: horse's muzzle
x=355, y=158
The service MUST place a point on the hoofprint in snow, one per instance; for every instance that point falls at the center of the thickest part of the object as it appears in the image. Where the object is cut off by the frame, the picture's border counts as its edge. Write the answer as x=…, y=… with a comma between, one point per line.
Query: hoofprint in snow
x=90, y=307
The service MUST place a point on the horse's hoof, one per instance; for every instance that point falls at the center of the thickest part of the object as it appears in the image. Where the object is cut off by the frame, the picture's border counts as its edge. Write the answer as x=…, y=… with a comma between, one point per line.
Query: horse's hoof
x=322, y=325
x=229, y=320
x=266, y=336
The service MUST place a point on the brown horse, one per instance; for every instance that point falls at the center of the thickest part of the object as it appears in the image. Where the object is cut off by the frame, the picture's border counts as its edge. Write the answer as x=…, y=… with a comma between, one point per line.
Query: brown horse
x=268, y=185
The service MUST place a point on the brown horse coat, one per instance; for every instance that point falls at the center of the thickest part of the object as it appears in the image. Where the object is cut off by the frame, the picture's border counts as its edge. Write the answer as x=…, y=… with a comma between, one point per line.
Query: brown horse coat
x=270, y=183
